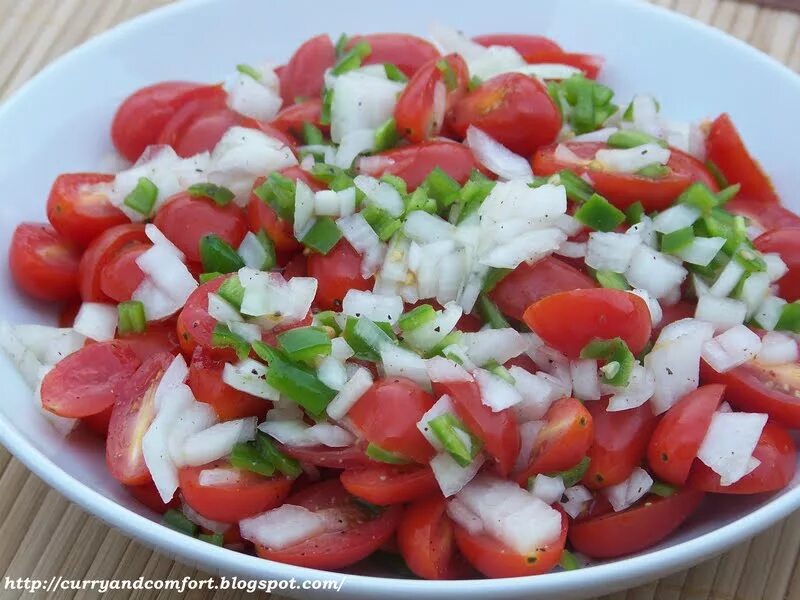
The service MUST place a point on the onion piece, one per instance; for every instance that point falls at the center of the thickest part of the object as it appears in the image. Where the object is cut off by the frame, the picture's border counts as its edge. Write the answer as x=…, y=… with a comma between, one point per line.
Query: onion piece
x=777, y=349
x=537, y=393
x=221, y=310
x=451, y=476
x=628, y=492
x=351, y=391
x=381, y=194
x=462, y=515
x=611, y=251
x=496, y=393
x=528, y=433
x=498, y=345
x=701, y=250
x=443, y=406
x=655, y=272
x=548, y=489
x=677, y=217
x=656, y=313
x=217, y=441
x=282, y=527
x=218, y=477
x=97, y=321
x=578, y=498
x=48, y=344
x=732, y=348
x=376, y=307
x=776, y=268
x=441, y=369
x=727, y=279
x=332, y=373
x=729, y=444
x=197, y=417
x=639, y=390
x=249, y=376
x=399, y=362
x=585, y=379
x=304, y=200
x=497, y=158
x=722, y=313
x=769, y=312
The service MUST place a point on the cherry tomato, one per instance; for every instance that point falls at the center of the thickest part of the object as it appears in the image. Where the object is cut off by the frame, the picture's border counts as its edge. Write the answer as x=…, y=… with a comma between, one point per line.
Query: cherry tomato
x=200, y=122
x=43, y=264
x=79, y=213
x=623, y=189
x=619, y=443
x=778, y=456
x=336, y=273
x=351, y=457
x=514, y=109
x=407, y=52
x=195, y=326
x=529, y=283
x=141, y=117
x=524, y=44
x=103, y=249
x=786, y=242
x=87, y=381
x=130, y=418
x=637, y=528
x=121, y=276
x=726, y=150
x=68, y=312
x=387, y=415
x=765, y=216
x=498, y=431
x=290, y=120
x=568, y=321
x=678, y=436
x=302, y=77
x=563, y=441
x=590, y=64
x=98, y=423
x=297, y=266
x=390, y=484
x=250, y=495
x=362, y=536
x=156, y=339
x=147, y=494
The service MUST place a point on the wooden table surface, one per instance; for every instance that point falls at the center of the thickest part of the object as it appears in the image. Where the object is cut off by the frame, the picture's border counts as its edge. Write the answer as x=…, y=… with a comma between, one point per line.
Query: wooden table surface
x=42, y=534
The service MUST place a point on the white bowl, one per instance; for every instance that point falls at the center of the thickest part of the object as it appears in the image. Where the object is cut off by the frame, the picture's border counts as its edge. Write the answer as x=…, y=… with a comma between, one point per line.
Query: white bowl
x=59, y=122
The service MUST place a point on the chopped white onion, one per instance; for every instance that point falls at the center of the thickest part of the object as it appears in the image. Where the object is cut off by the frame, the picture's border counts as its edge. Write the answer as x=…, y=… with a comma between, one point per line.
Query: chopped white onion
x=332, y=373
x=631, y=160
x=217, y=441
x=732, y=348
x=221, y=310
x=611, y=251
x=626, y=493
x=537, y=392
x=585, y=379
x=498, y=345
x=251, y=98
x=497, y=158
x=769, y=312
x=361, y=102
x=755, y=289
x=195, y=418
x=97, y=321
x=776, y=268
x=252, y=251
x=397, y=361
x=443, y=406
x=599, y=135
x=727, y=279
x=276, y=300
x=352, y=144
x=548, y=489
x=496, y=393
x=303, y=209
x=282, y=527
x=677, y=217
x=722, y=313
x=351, y=391
x=777, y=349
x=528, y=432
x=639, y=390
x=701, y=250
x=381, y=194
x=249, y=376
x=729, y=444
x=373, y=306
x=365, y=241
x=451, y=476
x=462, y=515
x=48, y=344
x=218, y=477
x=578, y=498
x=655, y=272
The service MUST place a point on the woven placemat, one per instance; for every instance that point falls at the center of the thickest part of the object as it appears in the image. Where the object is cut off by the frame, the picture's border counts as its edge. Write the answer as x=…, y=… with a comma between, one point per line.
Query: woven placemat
x=44, y=535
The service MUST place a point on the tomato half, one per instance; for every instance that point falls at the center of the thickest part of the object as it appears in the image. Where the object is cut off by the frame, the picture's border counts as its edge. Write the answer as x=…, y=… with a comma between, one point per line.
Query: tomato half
x=785, y=242
x=43, y=264
x=590, y=64
x=147, y=494
x=121, y=276
x=195, y=326
x=407, y=52
x=98, y=424
x=157, y=338
x=290, y=120
x=103, y=249
x=336, y=273
x=764, y=216
x=302, y=77
x=567, y=321
x=522, y=43
x=351, y=457
x=390, y=484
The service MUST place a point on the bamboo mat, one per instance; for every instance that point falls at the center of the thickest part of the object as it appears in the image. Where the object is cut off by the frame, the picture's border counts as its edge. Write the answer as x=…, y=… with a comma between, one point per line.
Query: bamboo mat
x=42, y=534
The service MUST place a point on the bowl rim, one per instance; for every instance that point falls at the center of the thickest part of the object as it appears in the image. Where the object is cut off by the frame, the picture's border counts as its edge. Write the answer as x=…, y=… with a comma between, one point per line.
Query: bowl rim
x=617, y=574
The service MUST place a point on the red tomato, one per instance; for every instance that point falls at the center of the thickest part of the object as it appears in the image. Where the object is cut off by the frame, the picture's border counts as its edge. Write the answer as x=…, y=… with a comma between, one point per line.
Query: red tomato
x=361, y=537
x=302, y=77
x=498, y=431
x=514, y=109
x=352, y=457
x=495, y=559
x=727, y=151
x=407, y=52
x=414, y=163
x=200, y=122
x=98, y=424
x=336, y=273
x=290, y=120
x=387, y=415
x=390, y=484
x=43, y=264
x=678, y=436
x=87, y=381
x=590, y=64
x=622, y=189
x=568, y=321
x=103, y=249
x=68, y=312
x=426, y=540
x=765, y=216
x=524, y=44
x=147, y=494
x=230, y=503
x=185, y=220
x=562, y=442
x=77, y=212
x=131, y=416
x=156, y=339
x=778, y=456
x=141, y=117
x=205, y=379
x=297, y=266
x=637, y=528
x=672, y=313
x=121, y=276
x=195, y=326
x=785, y=242
x=529, y=283
x=619, y=444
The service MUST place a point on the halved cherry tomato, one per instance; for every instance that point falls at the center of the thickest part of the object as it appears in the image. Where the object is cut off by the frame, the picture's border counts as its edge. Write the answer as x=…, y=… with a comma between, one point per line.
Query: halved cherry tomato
x=619, y=443
x=407, y=52
x=725, y=148
x=147, y=494
x=390, y=484
x=302, y=77
x=765, y=216
x=786, y=242
x=590, y=64
x=98, y=424
x=363, y=533
x=777, y=455
x=623, y=189
x=522, y=43
x=77, y=212
x=494, y=559
x=290, y=120
x=130, y=418
x=250, y=495
x=639, y=527
x=387, y=415
x=562, y=442
x=205, y=379
x=141, y=117
x=199, y=122
x=43, y=264
x=121, y=276
x=426, y=540
x=498, y=431
x=185, y=219
x=677, y=438
x=87, y=381
x=351, y=457
x=568, y=321
x=336, y=273
x=529, y=283
x=157, y=338
x=297, y=266
x=103, y=249
x=514, y=109
x=195, y=326
x=68, y=312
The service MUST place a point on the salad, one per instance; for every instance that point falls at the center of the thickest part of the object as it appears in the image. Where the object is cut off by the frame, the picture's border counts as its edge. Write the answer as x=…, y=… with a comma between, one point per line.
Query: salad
x=446, y=301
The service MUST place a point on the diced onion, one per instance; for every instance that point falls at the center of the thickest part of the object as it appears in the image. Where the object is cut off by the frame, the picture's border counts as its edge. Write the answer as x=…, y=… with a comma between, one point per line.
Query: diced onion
x=332, y=373
x=378, y=308
x=442, y=369
x=548, y=489
x=754, y=291
x=365, y=241
x=218, y=477
x=217, y=441
x=631, y=160
x=585, y=379
x=722, y=313
x=351, y=391
x=639, y=390
x=457, y=511
x=381, y=194
x=443, y=406
x=528, y=433
x=251, y=98
x=498, y=345
x=304, y=200
x=701, y=250
x=97, y=321
x=496, y=393
x=497, y=158
x=282, y=527
x=248, y=376
x=626, y=493
x=727, y=279
x=451, y=476
x=777, y=349
x=729, y=444
x=776, y=268
x=537, y=393
x=677, y=217
x=769, y=312
x=399, y=362
x=577, y=499
x=361, y=102
x=611, y=251
x=732, y=348
x=655, y=272
x=221, y=310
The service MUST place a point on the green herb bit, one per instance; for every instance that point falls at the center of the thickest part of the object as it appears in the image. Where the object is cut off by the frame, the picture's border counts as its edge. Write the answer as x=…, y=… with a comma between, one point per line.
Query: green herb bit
x=419, y=200
x=175, y=519
x=750, y=259
x=611, y=280
x=211, y=538
x=474, y=83
x=131, y=317
x=448, y=74
x=654, y=171
x=577, y=188
x=393, y=73
x=396, y=182
x=142, y=198
x=700, y=197
x=249, y=71
x=377, y=453
x=305, y=343
x=628, y=138
x=232, y=291
x=384, y=224
x=568, y=561
x=352, y=58
x=676, y=241
x=325, y=110
x=312, y=135
x=386, y=136
x=278, y=192
x=491, y=315
x=728, y=193
x=416, y=317
x=341, y=43
x=245, y=456
x=493, y=277
x=366, y=337
x=618, y=359
x=599, y=214
x=790, y=318
x=457, y=440
x=323, y=235
x=327, y=318
x=663, y=489
x=441, y=187
x=219, y=194
x=573, y=475
x=217, y=255
x=266, y=243
x=223, y=337
x=634, y=213
x=716, y=173
x=206, y=277
x=497, y=369
x=282, y=463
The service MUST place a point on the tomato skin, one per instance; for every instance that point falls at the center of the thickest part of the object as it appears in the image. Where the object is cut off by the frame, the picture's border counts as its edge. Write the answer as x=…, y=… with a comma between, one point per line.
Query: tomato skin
x=514, y=109
x=352, y=457
x=407, y=52
x=121, y=276
x=156, y=339
x=726, y=149
x=302, y=77
x=567, y=321
x=619, y=443
x=680, y=432
x=529, y=283
x=147, y=494
x=251, y=495
x=522, y=43
x=290, y=119
x=387, y=415
x=634, y=529
x=195, y=326
x=103, y=249
x=590, y=64
x=200, y=122
x=337, y=272
x=98, y=423
x=389, y=484
x=786, y=242
x=43, y=264
x=763, y=215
